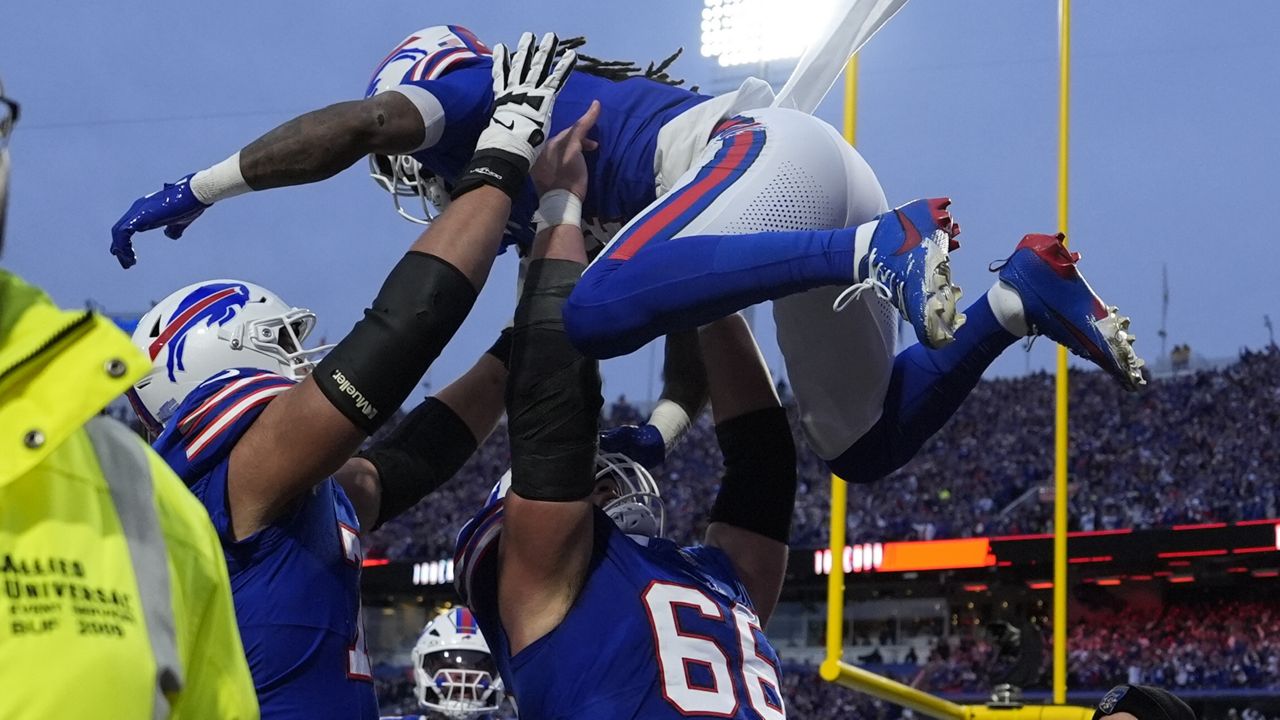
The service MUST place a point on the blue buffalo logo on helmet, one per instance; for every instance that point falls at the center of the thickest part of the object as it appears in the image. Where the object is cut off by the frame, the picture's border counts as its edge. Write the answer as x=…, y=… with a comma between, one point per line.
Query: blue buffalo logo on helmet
x=426, y=55
x=213, y=304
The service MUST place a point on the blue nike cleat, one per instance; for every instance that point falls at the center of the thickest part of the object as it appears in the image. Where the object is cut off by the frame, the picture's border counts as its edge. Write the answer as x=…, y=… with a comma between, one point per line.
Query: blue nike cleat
x=1059, y=304
x=906, y=263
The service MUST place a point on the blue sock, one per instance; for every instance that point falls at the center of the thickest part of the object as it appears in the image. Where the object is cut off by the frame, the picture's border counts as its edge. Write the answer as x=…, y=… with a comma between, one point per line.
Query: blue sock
x=925, y=390
x=682, y=283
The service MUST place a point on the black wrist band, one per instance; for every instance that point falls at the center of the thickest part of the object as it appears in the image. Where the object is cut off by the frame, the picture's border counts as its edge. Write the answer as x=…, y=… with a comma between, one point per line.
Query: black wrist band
x=497, y=168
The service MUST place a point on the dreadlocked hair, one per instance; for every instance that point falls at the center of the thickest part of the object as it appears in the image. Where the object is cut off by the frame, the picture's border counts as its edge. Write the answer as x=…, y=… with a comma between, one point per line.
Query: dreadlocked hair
x=623, y=69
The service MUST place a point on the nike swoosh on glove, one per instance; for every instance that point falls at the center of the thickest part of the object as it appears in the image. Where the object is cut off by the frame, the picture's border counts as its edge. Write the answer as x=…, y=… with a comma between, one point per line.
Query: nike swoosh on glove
x=524, y=89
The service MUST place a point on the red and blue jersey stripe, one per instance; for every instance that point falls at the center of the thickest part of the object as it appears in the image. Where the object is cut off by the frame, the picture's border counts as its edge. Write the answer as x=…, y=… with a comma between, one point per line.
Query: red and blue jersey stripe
x=212, y=418
x=741, y=143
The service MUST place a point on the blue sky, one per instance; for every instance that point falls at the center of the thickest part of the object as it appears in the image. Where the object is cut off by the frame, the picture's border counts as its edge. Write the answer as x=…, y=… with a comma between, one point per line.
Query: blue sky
x=1174, y=147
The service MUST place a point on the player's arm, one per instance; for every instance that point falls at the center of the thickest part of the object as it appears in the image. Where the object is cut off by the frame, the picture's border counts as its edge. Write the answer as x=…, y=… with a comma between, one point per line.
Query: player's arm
x=553, y=404
x=684, y=394
x=324, y=142
x=308, y=432
x=751, y=518
x=430, y=444
x=306, y=149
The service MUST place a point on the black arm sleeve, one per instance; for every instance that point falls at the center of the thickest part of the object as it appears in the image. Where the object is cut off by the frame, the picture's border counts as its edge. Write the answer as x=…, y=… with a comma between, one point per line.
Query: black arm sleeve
x=372, y=371
x=427, y=448
x=553, y=393
x=758, y=490
x=501, y=348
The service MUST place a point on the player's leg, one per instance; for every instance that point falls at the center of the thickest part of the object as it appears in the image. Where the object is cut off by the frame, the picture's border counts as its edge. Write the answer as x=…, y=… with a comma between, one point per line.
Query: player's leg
x=1040, y=292
x=839, y=363
x=645, y=284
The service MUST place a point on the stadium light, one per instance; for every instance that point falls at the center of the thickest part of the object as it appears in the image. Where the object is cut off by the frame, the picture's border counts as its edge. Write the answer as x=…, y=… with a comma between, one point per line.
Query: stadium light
x=738, y=32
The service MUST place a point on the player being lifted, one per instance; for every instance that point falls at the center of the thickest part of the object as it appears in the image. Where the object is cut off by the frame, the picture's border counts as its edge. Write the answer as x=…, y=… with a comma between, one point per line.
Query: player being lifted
x=722, y=202
x=566, y=564
x=264, y=437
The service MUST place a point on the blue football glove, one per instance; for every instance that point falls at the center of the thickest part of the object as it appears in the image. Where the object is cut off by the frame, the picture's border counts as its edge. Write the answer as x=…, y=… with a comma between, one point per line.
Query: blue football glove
x=173, y=207
x=642, y=443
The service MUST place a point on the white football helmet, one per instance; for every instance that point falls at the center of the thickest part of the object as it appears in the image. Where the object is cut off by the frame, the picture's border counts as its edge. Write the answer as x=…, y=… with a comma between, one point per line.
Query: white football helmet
x=637, y=509
x=424, y=55
x=212, y=326
x=453, y=671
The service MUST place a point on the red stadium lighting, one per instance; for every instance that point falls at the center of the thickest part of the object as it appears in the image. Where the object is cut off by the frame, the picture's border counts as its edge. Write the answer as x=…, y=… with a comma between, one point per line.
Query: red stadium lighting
x=1266, y=573
x=1040, y=585
x=1247, y=550
x=1191, y=553
x=1238, y=570
x=1140, y=578
x=1201, y=526
x=975, y=587
x=1109, y=581
x=375, y=562
x=1182, y=579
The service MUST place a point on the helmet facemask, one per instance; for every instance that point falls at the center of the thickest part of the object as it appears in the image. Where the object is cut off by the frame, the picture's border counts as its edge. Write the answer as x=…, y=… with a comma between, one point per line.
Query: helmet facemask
x=280, y=337
x=404, y=177
x=638, y=508
x=461, y=683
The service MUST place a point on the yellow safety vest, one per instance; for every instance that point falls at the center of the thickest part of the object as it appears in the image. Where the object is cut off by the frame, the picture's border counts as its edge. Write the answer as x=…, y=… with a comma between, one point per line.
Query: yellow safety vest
x=115, y=601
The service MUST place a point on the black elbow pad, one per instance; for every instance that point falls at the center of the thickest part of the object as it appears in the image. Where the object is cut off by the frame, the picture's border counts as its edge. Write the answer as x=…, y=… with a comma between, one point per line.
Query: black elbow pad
x=416, y=313
x=758, y=490
x=427, y=448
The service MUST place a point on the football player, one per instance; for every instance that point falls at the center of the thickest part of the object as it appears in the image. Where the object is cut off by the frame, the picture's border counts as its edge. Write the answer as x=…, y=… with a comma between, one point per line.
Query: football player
x=721, y=203
x=589, y=611
x=264, y=435
x=454, y=676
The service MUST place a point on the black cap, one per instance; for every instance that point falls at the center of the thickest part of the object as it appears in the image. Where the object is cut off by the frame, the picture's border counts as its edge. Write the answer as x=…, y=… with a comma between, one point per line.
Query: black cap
x=1143, y=702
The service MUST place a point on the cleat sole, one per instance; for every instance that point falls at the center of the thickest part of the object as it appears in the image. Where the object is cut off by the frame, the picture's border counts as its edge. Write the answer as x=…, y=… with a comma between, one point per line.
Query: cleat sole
x=942, y=316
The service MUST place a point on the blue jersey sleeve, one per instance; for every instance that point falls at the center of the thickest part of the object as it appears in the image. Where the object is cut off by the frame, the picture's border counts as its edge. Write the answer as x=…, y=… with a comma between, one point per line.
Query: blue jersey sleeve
x=465, y=98
x=199, y=436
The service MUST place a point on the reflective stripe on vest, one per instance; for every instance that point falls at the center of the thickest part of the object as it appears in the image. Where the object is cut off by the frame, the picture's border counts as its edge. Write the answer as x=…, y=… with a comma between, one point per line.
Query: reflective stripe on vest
x=128, y=475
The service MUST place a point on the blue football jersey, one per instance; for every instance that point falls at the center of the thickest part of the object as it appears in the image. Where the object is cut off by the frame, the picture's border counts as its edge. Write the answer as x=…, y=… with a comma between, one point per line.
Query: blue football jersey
x=658, y=631
x=621, y=171
x=295, y=583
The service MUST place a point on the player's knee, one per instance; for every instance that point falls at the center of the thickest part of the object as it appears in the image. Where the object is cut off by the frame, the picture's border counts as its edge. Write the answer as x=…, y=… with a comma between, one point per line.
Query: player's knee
x=874, y=456
x=592, y=324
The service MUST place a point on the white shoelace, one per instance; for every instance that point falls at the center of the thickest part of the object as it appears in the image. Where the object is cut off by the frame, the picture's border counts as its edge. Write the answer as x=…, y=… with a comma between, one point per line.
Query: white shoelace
x=877, y=283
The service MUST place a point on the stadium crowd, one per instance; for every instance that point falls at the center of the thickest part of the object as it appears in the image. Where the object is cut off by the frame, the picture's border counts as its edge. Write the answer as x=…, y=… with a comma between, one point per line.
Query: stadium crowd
x=1185, y=450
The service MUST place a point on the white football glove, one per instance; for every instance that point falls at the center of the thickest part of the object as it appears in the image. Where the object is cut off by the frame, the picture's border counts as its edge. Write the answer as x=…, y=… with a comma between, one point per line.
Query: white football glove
x=524, y=90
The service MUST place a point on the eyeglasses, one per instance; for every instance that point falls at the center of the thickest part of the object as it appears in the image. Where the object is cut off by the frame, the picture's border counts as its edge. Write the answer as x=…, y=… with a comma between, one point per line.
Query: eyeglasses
x=10, y=111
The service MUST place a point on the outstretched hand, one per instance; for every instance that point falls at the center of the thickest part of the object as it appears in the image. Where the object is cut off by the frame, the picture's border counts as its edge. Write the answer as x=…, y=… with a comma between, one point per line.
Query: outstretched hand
x=172, y=207
x=561, y=166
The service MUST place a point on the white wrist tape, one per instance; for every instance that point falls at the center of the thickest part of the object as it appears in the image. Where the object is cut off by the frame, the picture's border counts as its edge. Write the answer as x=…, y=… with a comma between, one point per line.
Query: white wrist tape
x=671, y=421
x=220, y=182
x=558, y=207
